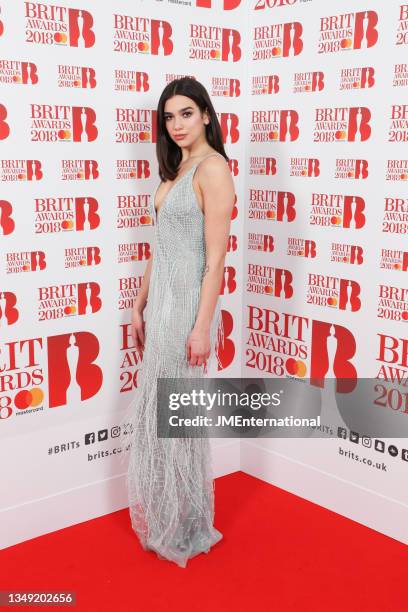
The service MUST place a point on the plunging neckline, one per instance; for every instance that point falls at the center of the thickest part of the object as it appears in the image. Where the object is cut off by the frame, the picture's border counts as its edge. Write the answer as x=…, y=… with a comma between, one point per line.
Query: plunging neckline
x=171, y=188
x=156, y=212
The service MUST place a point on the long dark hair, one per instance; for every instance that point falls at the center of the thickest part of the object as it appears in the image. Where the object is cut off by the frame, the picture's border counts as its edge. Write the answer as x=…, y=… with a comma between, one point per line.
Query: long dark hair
x=168, y=153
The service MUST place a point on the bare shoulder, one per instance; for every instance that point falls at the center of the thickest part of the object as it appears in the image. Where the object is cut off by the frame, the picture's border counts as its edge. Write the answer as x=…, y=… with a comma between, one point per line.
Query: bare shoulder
x=214, y=171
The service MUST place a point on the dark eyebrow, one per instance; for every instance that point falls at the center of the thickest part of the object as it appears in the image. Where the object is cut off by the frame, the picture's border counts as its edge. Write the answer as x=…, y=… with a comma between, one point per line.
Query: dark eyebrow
x=181, y=110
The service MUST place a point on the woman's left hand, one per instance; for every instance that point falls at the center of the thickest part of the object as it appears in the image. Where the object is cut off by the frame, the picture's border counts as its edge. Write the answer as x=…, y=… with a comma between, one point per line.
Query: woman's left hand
x=198, y=347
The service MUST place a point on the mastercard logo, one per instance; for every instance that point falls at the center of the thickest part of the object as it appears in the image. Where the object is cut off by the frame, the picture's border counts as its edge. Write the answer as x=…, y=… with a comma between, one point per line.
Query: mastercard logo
x=29, y=398
x=60, y=38
x=64, y=134
x=346, y=43
x=145, y=220
x=70, y=310
x=296, y=367
x=67, y=224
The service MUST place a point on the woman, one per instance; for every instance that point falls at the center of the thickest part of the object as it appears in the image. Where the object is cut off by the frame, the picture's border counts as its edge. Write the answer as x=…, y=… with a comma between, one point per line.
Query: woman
x=170, y=484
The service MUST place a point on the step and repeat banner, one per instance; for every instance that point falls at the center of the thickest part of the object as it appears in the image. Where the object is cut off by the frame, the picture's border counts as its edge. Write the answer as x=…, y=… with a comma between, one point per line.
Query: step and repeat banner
x=312, y=101
x=80, y=82
x=326, y=226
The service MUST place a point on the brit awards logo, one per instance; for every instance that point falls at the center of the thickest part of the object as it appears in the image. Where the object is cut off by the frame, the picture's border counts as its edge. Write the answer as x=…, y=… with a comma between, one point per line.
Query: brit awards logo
x=25, y=261
x=131, y=80
x=54, y=122
x=129, y=287
x=74, y=375
x=397, y=170
x=78, y=257
x=60, y=301
x=262, y=165
x=135, y=125
x=18, y=73
x=400, y=73
x=7, y=224
x=226, y=348
x=333, y=292
x=357, y=78
x=304, y=166
x=260, y=242
x=337, y=210
x=394, y=259
x=300, y=247
x=214, y=43
x=20, y=170
x=142, y=35
x=133, y=211
x=393, y=356
x=229, y=280
x=232, y=244
x=395, y=217
x=9, y=313
x=277, y=40
x=398, y=130
x=133, y=251
x=290, y=345
x=58, y=25
x=348, y=31
x=79, y=170
x=274, y=125
x=4, y=126
x=275, y=282
x=346, y=253
x=130, y=362
x=65, y=214
x=132, y=169
x=392, y=303
x=402, y=28
x=80, y=77
x=347, y=168
x=342, y=124
x=271, y=205
x=229, y=123
x=308, y=81
x=225, y=87
x=265, y=85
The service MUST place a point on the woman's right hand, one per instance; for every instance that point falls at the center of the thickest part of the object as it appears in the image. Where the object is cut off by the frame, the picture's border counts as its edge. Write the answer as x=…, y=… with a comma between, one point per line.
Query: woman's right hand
x=138, y=327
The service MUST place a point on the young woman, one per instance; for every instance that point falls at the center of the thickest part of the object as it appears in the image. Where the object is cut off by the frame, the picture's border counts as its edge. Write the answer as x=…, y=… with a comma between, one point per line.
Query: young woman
x=170, y=483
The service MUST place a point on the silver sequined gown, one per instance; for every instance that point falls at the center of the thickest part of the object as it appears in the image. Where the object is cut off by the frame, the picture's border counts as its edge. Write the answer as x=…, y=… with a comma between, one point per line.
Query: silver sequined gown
x=170, y=480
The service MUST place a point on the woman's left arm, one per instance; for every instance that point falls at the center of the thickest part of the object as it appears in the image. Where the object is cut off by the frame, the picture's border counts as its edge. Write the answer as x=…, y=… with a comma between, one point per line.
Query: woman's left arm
x=217, y=187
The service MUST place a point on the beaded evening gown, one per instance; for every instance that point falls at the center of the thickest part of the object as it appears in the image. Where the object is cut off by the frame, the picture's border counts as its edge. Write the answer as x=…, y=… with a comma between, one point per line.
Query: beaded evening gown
x=170, y=480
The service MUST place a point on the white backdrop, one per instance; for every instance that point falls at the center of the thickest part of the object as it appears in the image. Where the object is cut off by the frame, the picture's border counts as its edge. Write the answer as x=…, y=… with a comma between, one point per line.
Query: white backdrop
x=327, y=214
x=80, y=85
x=311, y=103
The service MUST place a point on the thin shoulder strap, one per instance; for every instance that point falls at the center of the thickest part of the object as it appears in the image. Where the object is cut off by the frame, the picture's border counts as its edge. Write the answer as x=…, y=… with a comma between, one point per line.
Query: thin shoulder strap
x=209, y=155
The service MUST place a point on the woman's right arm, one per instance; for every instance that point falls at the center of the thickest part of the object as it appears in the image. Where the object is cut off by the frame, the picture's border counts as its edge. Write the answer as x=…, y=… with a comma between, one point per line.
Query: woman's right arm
x=138, y=324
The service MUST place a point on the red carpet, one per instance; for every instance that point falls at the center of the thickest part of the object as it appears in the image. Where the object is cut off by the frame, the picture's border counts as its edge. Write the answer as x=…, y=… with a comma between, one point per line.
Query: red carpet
x=279, y=553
